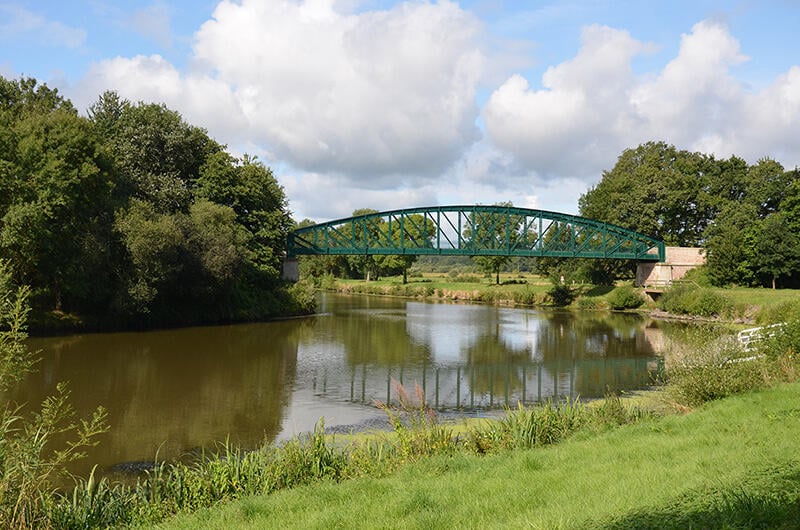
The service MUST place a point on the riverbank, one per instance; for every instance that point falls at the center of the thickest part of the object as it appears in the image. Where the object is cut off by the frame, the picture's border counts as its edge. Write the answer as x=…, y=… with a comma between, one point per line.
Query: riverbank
x=623, y=459
x=740, y=305
x=731, y=463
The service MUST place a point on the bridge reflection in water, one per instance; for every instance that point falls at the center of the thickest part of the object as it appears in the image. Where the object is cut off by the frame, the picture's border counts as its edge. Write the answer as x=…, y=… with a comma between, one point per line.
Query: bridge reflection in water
x=489, y=386
x=472, y=356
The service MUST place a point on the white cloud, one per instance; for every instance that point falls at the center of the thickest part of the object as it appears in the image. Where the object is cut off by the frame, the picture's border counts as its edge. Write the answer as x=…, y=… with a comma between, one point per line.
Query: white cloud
x=555, y=130
x=21, y=21
x=322, y=197
x=377, y=96
x=694, y=95
x=202, y=100
x=592, y=107
x=377, y=108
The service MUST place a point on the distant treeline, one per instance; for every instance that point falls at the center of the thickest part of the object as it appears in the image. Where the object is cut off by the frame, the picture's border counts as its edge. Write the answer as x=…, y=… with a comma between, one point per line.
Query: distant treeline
x=132, y=217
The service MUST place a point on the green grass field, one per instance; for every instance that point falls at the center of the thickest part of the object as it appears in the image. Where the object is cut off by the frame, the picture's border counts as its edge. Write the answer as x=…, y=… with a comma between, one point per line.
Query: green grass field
x=733, y=463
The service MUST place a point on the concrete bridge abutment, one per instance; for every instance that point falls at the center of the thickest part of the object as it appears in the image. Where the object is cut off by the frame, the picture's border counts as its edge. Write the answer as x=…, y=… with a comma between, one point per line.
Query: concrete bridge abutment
x=679, y=261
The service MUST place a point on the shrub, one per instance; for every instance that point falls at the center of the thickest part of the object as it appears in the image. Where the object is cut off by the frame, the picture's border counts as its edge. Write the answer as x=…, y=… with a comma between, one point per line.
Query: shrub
x=560, y=293
x=526, y=296
x=30, y=460
x=719, y=368
x=625, y=297
x=684, y=299
x=709, y=303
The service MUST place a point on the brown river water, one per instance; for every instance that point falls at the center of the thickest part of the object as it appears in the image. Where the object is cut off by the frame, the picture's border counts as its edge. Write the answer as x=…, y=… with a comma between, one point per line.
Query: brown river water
x=173, y=392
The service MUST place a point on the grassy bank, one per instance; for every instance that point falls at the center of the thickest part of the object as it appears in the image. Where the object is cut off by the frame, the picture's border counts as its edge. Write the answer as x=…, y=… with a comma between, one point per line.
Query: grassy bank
x=734, y=463
x=514, y=289
x=741, y=305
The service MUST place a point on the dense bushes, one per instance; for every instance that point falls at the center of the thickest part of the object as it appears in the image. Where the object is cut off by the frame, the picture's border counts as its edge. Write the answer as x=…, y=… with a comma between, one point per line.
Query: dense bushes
x=687, y=299
x=716, y=367
x=625, y=297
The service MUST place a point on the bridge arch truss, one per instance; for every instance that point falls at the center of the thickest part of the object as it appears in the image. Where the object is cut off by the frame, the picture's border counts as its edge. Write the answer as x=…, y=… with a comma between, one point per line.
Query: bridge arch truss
x=474, y=231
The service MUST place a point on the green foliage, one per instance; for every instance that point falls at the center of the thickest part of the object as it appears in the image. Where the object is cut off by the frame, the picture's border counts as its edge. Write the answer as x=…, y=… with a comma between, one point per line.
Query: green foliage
x=133, y=216
x=15, y=359
x=490, y=231
x=781, y=344
x=560, y=293
x=730, y=465
x=625, y=297
x=699, y=275
x=418, y=432
x=746, y=217
x=525, y=427
x=715, y=370
x=718, y=367
x=687, y=299
x=658, y=190
x=35, y=447
x=782, y=312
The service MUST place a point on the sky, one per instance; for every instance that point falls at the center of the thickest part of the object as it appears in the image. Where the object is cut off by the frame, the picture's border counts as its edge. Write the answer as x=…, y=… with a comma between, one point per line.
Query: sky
x=390, y=104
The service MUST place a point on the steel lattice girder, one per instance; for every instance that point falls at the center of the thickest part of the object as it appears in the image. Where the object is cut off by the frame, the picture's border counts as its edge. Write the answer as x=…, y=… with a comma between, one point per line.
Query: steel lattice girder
x=474, y=231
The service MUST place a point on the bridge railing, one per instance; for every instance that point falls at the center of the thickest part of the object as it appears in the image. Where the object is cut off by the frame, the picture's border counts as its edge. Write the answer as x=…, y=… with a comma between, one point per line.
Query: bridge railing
x=474, y=231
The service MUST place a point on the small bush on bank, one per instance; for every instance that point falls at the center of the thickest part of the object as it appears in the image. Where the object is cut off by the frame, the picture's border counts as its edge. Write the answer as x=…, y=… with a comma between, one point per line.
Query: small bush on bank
x=586, y=303
x=625, y=297
x=561, y=294
x=714, y=371
x=720, y=366
x=686, y=299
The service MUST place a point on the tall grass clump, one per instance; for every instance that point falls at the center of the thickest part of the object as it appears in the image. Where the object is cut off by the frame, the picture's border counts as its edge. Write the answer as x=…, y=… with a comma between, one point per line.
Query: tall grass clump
x=782, y=312
x=528, y=427
x=418, y=431
x=780, y=346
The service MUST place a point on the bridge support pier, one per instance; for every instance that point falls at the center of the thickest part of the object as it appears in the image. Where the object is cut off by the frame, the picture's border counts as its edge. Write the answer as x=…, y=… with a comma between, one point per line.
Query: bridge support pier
x=678, y=261
x=291, y=269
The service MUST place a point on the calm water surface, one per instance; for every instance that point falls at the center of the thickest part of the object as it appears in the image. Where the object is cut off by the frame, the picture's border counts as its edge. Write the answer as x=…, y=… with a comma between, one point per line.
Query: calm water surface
x=179, y=390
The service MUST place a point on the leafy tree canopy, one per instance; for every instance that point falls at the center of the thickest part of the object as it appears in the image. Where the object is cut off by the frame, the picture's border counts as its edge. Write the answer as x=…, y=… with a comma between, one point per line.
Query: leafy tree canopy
x=132, y=215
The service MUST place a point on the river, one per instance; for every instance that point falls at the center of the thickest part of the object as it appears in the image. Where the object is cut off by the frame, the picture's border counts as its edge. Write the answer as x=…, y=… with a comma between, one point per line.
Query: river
x=176, y=391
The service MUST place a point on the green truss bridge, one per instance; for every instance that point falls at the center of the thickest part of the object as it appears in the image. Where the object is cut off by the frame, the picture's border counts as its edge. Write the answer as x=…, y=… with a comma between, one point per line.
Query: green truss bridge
x=474, y=231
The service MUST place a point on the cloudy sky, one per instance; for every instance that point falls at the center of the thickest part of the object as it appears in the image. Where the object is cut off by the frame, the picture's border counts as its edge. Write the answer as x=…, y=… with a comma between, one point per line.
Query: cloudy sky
x=389, y=104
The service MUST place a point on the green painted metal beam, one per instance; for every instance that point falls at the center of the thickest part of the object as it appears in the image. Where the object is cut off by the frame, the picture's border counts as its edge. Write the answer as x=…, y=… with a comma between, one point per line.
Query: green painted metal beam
x=474, y=231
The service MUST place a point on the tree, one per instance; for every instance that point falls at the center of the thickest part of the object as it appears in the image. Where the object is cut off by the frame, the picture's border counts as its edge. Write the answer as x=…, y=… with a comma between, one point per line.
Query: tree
x=57, y=191
x=132, y=214
x=157, y=154
x=658, y=191
x=492, y=231
x=727, y=251
x=777, y=248
x=251, y=190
